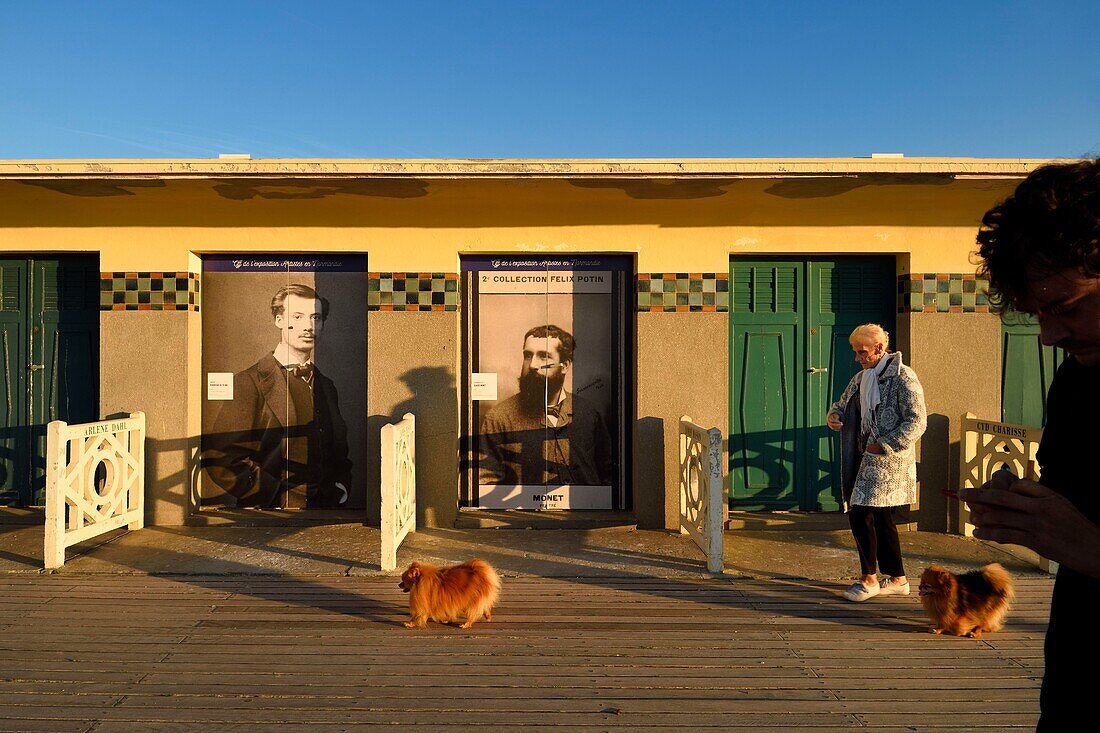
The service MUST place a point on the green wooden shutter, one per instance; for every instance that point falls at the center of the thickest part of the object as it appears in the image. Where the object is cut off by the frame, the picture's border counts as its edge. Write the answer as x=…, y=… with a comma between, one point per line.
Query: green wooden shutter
x=789, y=360
x=14, y=447
x=844, y=292
x=66, y=310
x=64, y=350
x=765, y=388
x=1027, y=368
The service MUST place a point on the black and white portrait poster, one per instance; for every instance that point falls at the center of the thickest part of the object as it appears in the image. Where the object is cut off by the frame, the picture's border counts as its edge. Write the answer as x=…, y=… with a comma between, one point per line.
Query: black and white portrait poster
x=284, y=355
x=545, y=390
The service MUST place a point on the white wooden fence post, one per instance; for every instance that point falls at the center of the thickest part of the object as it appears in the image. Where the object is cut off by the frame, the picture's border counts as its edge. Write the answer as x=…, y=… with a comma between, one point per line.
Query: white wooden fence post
x=398, y=488
x=389, y=503
x=702, y=491
x=685, y=450
x=716, y=497
x=968, y=448
x=54, y=544
x=984, y=446
x=136, y=499
x=78, y=508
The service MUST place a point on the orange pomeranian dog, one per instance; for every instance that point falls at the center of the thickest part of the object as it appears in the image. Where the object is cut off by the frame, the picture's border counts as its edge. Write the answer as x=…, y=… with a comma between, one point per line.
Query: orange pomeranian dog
x=967, y=604
x=443, y=594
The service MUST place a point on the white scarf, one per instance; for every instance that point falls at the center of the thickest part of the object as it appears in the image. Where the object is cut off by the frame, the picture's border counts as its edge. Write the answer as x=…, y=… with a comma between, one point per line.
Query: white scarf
x=869, y=396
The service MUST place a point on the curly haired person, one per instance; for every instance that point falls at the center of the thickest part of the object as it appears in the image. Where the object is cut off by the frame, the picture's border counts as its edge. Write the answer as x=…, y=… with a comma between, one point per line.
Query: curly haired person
x=1040, y=249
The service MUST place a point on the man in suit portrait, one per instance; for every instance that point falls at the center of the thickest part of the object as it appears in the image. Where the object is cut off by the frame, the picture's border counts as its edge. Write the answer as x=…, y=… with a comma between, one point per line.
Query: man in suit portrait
x=545, y=435
x=281, y=441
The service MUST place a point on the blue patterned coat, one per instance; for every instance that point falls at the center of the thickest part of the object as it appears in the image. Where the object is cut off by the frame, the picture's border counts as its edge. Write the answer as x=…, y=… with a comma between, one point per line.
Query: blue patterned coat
x=896, y=424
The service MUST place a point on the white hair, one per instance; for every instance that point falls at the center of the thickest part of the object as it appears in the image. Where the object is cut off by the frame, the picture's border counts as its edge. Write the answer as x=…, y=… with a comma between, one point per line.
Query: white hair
x=870, y=332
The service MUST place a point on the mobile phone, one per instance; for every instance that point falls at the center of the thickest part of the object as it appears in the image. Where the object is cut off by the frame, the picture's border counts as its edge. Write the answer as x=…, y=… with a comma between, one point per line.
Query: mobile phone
x=954, y=494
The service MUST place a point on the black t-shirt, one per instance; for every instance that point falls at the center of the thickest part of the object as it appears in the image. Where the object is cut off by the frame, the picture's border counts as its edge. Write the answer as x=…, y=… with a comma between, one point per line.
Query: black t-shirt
x=1067, y=455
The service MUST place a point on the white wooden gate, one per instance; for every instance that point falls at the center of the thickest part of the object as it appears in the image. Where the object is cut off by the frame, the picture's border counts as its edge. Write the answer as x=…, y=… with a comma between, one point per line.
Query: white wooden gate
x=988, y=446
x=398, y=487
x=95, y=481
x=702, y=494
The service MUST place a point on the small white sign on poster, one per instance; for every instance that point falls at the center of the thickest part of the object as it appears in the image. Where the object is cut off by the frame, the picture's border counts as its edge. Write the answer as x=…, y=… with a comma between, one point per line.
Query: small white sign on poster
x=500, y=496
x=219, y=385
x=483, y=386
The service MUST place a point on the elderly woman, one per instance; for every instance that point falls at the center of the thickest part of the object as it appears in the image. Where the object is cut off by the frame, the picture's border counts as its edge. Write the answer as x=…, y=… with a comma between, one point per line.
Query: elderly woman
x=880, y=416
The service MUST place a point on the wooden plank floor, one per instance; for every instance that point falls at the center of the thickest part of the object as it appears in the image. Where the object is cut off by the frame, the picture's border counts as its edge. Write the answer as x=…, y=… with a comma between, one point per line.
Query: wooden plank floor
x=139, y=653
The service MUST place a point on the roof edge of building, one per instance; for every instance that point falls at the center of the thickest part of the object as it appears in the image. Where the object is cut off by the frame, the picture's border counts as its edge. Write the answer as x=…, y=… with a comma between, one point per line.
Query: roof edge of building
x=515, y=168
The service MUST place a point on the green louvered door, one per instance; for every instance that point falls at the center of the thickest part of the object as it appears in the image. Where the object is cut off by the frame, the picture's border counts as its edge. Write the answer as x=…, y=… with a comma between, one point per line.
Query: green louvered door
x=1027, y=368
x=789, y=360
x=49, y=337
x=766, y=391
x=14, y=431
x=843, y=293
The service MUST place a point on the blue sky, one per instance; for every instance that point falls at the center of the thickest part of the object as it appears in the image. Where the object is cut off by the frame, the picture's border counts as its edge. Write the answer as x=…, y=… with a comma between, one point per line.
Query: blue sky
x=548, y=79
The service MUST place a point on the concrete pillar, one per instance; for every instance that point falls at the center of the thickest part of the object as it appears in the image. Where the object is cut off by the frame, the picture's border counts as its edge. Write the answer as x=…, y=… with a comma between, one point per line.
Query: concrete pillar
x=412, y=359
x=682, y=367
x=150, y=361
x=957, y=357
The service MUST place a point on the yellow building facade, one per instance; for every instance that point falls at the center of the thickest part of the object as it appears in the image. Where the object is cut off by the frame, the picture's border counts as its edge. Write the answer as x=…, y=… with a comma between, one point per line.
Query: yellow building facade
x=682, y=229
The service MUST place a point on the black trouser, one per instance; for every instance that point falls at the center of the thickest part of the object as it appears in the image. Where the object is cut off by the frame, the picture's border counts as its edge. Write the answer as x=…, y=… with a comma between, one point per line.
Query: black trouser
x=876, y=539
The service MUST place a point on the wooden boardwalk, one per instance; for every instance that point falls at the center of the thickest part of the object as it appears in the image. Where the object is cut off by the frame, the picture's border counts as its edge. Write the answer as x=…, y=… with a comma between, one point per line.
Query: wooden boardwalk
x=157, y=653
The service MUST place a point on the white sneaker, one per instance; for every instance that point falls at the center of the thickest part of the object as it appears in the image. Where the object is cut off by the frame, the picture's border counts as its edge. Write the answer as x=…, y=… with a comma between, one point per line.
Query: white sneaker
x=894, y=589
x=859, y=592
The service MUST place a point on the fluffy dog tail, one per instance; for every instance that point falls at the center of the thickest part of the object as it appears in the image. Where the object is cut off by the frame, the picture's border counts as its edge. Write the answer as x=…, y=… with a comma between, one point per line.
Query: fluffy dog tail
x=488, y=591
x=490, y=577
x=1000, y=580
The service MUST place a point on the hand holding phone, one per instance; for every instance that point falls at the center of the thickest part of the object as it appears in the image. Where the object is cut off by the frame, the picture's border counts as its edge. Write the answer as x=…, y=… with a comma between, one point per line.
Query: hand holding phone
x=1002, y=479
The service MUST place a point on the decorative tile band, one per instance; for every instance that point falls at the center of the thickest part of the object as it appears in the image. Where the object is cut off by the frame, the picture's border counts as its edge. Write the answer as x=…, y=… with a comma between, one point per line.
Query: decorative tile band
x=149, y=291
x=682, y=292
x=669, y=292
x=942, y=292
x=412, y=291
